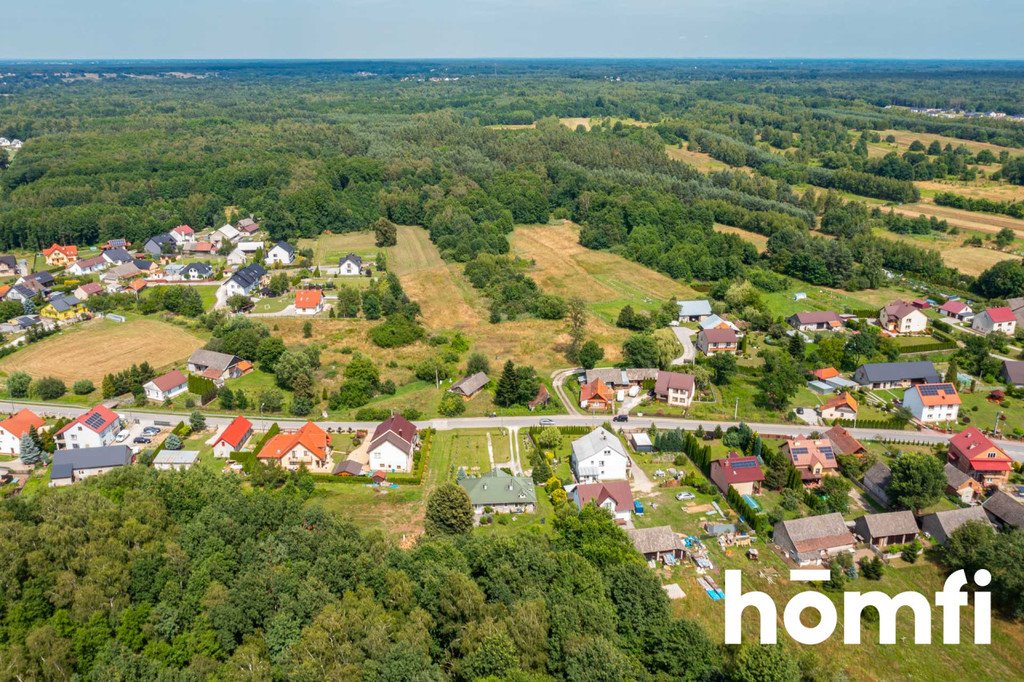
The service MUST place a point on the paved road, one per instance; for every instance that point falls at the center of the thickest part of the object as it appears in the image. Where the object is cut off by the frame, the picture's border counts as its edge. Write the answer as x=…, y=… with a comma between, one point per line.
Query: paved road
x=1014, y=448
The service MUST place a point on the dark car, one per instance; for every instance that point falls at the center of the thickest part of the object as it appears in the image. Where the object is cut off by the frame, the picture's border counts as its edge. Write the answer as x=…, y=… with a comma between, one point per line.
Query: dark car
x=620, y=418
x=142, y=440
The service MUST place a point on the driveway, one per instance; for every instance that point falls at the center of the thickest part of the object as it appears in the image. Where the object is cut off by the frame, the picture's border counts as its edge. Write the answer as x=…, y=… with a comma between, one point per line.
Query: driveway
x=641, y=481
x=685, y=337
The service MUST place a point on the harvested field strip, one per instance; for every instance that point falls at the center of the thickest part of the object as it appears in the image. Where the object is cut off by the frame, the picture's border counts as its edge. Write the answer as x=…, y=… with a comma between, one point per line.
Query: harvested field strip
x=967, y=220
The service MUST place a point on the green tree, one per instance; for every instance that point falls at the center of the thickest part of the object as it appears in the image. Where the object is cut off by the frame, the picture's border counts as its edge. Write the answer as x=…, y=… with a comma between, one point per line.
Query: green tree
x=1005, y=237
x=197, y=421
x=589, y=354
x=640, y=350
x=918, y=481
x=576, y=317
x=385, y=233
x=451, y=405
x=270, y=400
x=477, y=362
x=550, y=438
x=449, y=511
x=781, y=377
x=496, y=656
x=723, y=367
x=83, y=387
x=18, y=384
x=764, y=663
x=30, y=453
x=49, y=388
x=172, y=442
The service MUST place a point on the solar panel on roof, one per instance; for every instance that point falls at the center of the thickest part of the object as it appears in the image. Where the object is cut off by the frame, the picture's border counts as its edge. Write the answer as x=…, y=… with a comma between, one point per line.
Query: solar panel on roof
x=94, y=421
x=744, y=465
x=800, y=451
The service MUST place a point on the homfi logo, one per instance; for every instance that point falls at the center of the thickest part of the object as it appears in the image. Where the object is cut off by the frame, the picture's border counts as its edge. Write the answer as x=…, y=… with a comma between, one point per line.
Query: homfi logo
x=951, y=599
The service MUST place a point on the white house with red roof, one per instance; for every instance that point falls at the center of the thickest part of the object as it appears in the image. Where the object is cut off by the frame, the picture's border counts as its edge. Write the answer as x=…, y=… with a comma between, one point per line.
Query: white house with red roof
x=901, y=317
x=309, y=302
x=393, y=444
x=233, y=437
x=932, y=402
x=94, y=429
x=995, y=320
x=958, y=310
x=166, y=386
x=183, y=234
x=14, y=428
x=973, y=453
x=309, y=445
x=615, y=496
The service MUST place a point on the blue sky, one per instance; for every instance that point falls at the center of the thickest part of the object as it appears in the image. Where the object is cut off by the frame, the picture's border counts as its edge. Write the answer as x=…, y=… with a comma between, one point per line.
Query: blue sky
x=41, y=29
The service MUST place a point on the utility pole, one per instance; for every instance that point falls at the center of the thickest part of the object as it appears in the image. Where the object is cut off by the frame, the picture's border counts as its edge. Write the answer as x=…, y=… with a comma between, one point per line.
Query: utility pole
x=736, y=410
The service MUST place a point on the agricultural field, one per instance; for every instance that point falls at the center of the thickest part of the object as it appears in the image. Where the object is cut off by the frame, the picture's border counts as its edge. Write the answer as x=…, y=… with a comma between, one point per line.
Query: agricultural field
x=328, y=249
x=72, y=354
x=904, y=138
x=699, y=160
x=965, y=220
x=758, y=240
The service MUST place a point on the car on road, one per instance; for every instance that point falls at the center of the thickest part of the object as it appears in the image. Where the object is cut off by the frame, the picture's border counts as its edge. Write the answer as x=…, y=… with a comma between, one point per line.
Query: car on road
x=620, y=418
x=685, y=496
x=122, y=436
x=142, y=440
x=547, y=422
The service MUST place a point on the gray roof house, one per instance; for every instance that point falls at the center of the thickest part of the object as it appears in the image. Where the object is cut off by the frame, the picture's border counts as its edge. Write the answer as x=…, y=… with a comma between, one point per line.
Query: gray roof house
x=809, y=540
x=175, y=459
x=693, y=311
x=876, y=482
x=469, y=386
x=941, y=525
x=1012, y=372
x=501, y=491
x=890, y=528
x=197, y=271
x=160, y=244
x=351, y=264
x=893, y=374
x=1004, y=510
x=70, y=466
x=213, y=365
x=247, y=279
x=599, y=456
x=117, y=256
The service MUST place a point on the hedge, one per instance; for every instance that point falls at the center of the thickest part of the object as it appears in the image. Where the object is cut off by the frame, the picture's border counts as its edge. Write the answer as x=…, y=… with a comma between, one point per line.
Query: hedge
x=271, y=432
x=928, y=346
x=893, y=424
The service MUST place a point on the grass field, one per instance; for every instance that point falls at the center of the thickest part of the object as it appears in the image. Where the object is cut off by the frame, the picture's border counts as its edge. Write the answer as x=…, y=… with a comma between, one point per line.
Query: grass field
x=968, y=220
x=982, y=188
x=758, y=240
x=98, y=347
x=699, y=160
x=273, y=304
x=905, y=137
x=328, y=249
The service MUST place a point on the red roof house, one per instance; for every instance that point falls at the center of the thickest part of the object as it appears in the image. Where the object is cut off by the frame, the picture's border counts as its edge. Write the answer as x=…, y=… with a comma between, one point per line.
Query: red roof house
x=973, y=453
x=596, y=395
x=233, y=437
x=310, y=446
x=742, y=473
x=309, y=301
x=615, y=496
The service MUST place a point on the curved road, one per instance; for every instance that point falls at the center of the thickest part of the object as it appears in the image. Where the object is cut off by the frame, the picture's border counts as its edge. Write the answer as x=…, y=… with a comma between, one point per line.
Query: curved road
x=1013, y=448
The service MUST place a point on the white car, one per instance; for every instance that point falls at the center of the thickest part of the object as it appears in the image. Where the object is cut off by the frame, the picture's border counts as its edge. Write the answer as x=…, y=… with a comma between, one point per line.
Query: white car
x=685, y=496
x=547, y=422
x=122, y=436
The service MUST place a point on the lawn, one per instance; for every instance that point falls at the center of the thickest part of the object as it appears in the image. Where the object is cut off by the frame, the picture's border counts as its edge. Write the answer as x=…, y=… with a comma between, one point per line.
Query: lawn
x=208, y=292
x=273, y=304
x=98, y=347
x=328, y=249
x=784, y=303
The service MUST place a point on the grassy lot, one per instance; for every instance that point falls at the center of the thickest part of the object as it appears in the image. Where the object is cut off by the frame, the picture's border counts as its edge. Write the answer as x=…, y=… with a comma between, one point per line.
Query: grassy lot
x=273, y=304
x=208, y=292
x=328, y=249
x=782, y=303
x=982, y=411
x=758, y=240
x=98, y=347
x=699, y=160
x=966, y=220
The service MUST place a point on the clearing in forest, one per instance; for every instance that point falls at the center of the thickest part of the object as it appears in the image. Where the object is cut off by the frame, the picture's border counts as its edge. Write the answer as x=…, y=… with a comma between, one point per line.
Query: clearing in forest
x=98, y=347
x=758, y=240
x=905, y=137
x=701, y=161
x=965, y=220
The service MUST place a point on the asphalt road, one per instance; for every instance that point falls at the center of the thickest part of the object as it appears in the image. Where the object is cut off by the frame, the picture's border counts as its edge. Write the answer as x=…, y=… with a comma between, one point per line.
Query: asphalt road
x=1013, y=448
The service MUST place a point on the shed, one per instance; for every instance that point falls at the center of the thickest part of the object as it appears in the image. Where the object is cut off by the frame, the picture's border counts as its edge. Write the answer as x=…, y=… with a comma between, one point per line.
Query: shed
x=641, y=442
x=890, y=528
x=657, y=544
x=941, y=525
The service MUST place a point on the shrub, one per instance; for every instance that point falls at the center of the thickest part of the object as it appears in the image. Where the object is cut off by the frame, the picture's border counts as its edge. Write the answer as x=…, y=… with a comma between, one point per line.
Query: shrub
x=83, y=387
x=49, y=388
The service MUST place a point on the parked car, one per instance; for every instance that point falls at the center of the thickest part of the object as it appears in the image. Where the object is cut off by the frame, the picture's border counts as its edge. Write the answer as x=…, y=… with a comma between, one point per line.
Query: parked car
x=150, y=430
x=122, y=436
x=685, y=496
x=620, y=418
x=547, y=422
x=142, y=440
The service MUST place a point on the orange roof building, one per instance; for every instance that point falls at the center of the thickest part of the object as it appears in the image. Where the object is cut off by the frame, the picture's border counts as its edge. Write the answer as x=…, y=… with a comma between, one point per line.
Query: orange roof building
x=937, y=402
x=61, y=255
x=842, y=406
x=974, y=454
x=596, y=395
x=814, y=459
x=233, y=437
x=310, y=445
x=15, y=427
x=824, y=373
x=309, y=301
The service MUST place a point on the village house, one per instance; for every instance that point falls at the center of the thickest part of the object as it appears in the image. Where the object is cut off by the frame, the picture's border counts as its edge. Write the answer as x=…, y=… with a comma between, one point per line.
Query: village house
x=659, y=544
x=931, y=403
x=596, y=395
x=247, y=225
x=816, y=321
x=281, y=253
x=641, y=442
x=958, y=310
x=599, y=456
x=502, y=492
x=890, y=528
x=183, y=234
x=615, y=496
x=973, y=453
x=15, y=427
x=62, y=308
x=60, y=256
x=310, y=445
x=247, y=281
x=71, y=466
x=963, y=486
x=843, y=442
x=879, y=375
x=200, y=247
x=693, y=311
x=631, y=379
x=225, y=233
x=1012, y=372
x=393, y=445
x=232, y=438
x=8, y=265
x=166, y=386
x=160, y=245
x=117, y=276
x=735, y=471
x=941, y=525
x=675, y=388
x=95, y=429
x=1017, y=306
x=467, y=387
x=876, y=481
x=842, y=406
x=901, y=317
x=88, y=266
x=117, y=256
x=119, y=243
x=814, y=459
x=350, y=266
x=197, y=272
x=711, y=341
x=85, y=291
x=214, y=365
x=717, y=322
x=243, y=251
x=812, y=540
x=1004, y=510
x=309, y=302
x=991, y=320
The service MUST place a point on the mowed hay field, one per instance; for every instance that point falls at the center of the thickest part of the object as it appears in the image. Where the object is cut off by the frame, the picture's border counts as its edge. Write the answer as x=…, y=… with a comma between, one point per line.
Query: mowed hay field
x=329, y=248
x=905, y=137
x=699, y=160
x=93, y=349
x=758, y=240
x=965, y=220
